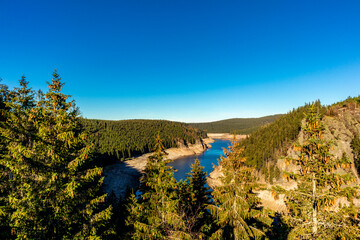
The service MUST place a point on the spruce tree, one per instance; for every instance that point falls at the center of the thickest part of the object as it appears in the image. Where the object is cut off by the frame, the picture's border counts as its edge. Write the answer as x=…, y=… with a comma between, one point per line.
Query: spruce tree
x=195, y=198
x=4, y=171
x=56, y=193
x=16, y=129
x=236, y=206
x=156, y=215
x=355, y=145
x=315, y=211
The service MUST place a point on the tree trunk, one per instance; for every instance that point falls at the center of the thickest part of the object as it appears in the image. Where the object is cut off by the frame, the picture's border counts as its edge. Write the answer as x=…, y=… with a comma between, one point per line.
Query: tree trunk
x=314, y=213
x=162, y=210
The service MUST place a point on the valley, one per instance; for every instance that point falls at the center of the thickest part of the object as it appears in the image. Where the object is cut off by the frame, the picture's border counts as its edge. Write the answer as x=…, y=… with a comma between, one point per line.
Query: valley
x=285, y=172
x=179, y=120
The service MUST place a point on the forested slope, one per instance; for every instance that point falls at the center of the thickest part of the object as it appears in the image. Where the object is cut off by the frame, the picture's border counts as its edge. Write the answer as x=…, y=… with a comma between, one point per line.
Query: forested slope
x=118, y=140
x=263, y=147
x=272, y=141
x=51, y=184
x=240, y=125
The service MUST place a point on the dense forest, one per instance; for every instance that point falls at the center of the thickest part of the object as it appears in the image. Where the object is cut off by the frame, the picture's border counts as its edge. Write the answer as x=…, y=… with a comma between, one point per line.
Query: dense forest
x=236, y=211
x=272, y=141
x=51, y=182
x=50, y=187
x=240, y=125
x=264, y=146
x=118, y=140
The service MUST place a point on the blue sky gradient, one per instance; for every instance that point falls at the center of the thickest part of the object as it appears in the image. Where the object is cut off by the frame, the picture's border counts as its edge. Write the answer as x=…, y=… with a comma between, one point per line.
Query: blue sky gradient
x=185, y=60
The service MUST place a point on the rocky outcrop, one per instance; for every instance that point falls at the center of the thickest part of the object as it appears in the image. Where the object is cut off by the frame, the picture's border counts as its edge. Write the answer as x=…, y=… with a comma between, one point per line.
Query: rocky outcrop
x=340, y=129
x=214, y=178
x=123, y=175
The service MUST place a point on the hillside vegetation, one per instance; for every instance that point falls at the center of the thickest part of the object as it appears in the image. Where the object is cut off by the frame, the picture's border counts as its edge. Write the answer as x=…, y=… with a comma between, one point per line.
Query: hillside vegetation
x=118, y=140
x=269, y=143
x=240, y=125
x=51, y=185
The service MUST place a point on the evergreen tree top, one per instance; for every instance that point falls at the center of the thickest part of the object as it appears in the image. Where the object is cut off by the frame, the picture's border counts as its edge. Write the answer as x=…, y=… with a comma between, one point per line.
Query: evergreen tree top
x=314, y=210
x=56, y=84
x=56, y=99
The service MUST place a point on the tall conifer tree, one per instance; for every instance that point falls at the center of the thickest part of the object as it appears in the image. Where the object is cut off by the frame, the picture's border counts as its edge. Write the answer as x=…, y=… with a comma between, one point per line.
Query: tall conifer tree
x=156, y=215
x=16, y=130
x=195, y=198
x=314, y=208
x=57, y=189
x=236, y=206
x=4, y=171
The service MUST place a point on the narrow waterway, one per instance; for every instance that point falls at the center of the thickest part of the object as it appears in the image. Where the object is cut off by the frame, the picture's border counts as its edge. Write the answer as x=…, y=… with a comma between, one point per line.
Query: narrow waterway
x=207, y=159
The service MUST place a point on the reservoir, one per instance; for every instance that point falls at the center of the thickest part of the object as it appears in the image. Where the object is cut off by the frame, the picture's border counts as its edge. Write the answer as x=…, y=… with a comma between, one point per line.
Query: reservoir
x=207, y=159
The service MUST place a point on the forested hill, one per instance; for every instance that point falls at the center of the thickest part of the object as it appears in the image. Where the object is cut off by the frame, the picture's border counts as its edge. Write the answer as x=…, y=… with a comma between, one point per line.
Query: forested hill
x=272, y=141
x=118, y=140
x=240, y=125
x=269, y=143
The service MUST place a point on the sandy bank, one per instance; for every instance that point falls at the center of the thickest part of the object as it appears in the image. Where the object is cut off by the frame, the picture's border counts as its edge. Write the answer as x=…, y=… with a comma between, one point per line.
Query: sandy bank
x=226, y=136
x=139, y=163
x=123, y=175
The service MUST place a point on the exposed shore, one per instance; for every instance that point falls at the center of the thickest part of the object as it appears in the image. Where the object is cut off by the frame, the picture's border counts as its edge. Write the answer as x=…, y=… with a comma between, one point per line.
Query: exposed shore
x=139, y=163
x=226, y=136
x=213, y=179
x=123, y=175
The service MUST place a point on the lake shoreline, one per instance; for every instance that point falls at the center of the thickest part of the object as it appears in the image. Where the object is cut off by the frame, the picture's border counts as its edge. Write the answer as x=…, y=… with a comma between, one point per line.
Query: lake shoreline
x=174, y=153
x=208, y=160
x=226, y=136
x=123, y=175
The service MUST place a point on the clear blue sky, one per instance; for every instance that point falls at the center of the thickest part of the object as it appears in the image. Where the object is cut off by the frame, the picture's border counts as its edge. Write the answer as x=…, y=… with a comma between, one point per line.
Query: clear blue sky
x=185, y=60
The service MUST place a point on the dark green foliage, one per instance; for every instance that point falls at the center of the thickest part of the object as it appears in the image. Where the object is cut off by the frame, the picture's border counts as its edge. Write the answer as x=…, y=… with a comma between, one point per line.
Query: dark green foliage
x=156, y=215
x=119, y=216
x=50, y=183
x=314, y=212
x=240, y=125
x=118, y=140
x=5, y=230
x=195, y=198
x=15, y=130
x=55, y=188
x=237, y=208
x=4, y=96
x=355, y=145
x=272, y=141
x=200, y=195
x=167, y=209
x=279, y=229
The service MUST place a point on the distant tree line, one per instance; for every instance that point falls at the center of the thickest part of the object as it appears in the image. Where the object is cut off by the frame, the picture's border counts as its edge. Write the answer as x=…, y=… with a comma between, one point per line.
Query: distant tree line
x=351, y=103
x=240, y=125
x=119, y=140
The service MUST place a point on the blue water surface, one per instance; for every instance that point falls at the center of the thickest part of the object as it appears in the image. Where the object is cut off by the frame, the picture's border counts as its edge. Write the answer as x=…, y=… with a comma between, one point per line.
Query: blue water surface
x=207, y=159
